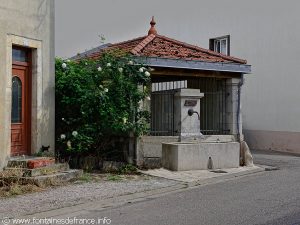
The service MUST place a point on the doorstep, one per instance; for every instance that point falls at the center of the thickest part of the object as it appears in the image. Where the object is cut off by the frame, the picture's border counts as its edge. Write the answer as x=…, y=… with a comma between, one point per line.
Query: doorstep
x=30, y=162
x=42, y=171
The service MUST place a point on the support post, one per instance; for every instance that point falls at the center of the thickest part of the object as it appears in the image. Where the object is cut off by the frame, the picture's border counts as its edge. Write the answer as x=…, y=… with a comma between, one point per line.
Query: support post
x=233, y=107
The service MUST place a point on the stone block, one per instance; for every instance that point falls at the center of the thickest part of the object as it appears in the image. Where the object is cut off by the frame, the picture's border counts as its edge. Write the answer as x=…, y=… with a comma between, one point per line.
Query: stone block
x=37, y=163
x=182, y=156
x=112, y=166
x=152, y=163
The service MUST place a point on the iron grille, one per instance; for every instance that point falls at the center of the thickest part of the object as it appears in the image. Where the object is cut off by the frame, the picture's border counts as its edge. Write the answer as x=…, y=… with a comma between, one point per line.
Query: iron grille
x=212, y=108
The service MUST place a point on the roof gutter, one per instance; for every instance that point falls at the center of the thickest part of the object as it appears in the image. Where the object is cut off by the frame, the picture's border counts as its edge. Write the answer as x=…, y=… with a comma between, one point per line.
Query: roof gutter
x=194, y=65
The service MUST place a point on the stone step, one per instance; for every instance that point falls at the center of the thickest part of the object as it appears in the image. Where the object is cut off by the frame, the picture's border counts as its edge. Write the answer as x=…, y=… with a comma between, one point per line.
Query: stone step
x=45, y=180
x=40, y=171
x=30, y=162
x=53, y=179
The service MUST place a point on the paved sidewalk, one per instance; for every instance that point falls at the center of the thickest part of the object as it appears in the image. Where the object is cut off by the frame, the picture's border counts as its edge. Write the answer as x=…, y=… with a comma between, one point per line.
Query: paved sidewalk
x=200, y=176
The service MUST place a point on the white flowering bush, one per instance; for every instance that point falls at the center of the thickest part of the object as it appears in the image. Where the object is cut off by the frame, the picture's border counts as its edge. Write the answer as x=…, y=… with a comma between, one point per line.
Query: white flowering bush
x=98, y=100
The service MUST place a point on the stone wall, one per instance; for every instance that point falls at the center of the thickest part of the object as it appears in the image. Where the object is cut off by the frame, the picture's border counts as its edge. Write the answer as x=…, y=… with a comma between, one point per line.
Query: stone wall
x=149, y=150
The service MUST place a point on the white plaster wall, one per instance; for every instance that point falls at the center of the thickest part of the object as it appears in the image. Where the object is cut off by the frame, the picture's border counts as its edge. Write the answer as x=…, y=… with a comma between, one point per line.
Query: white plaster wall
x=32, y=20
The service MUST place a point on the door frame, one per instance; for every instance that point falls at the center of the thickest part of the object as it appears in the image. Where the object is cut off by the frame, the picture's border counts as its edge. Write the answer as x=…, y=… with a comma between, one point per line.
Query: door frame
x=27, y=66
x=38, y=121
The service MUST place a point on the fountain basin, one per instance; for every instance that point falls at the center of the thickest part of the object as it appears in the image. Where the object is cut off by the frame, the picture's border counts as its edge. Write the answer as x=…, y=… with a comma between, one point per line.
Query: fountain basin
x=181, y=156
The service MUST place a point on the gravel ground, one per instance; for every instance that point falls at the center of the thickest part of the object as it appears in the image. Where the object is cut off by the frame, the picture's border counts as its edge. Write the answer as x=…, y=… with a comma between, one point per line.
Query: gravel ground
x=63, y=196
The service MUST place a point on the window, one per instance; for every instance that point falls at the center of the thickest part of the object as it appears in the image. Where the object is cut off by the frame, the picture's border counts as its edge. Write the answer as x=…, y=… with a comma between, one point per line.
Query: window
x=20, y=55
x=16, y=113
x=220, y=45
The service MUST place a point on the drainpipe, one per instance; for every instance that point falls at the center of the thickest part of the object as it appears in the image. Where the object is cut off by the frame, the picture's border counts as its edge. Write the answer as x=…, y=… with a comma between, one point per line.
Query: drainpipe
x=240, y=84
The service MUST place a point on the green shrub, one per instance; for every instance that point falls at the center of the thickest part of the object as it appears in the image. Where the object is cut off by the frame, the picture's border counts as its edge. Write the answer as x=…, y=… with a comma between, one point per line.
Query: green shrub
x=97, y=100
x=128, y=169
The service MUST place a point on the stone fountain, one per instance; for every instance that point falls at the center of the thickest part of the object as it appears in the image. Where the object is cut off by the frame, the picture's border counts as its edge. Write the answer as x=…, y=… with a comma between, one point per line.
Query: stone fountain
x=194, y=151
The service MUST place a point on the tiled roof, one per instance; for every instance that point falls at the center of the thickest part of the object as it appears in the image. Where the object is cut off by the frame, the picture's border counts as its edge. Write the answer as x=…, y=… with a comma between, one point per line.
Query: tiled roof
x=90, y=52
x=164, y=47
x=126, y=46
x=155, y=45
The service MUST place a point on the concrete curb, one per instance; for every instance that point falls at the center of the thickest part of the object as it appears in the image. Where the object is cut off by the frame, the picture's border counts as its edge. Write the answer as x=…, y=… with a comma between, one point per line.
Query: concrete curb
x=268, y=168
x=225, y=177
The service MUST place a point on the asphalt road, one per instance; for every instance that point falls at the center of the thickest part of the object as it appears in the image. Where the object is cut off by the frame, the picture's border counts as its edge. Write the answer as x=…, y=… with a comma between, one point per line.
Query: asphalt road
x=267, y=198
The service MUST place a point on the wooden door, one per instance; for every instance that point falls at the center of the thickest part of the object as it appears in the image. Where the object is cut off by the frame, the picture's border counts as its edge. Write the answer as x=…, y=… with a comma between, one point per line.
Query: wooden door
x=20, y=111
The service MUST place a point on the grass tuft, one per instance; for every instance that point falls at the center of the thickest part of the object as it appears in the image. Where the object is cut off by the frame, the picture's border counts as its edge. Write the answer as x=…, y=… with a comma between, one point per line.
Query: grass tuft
x=113, y=177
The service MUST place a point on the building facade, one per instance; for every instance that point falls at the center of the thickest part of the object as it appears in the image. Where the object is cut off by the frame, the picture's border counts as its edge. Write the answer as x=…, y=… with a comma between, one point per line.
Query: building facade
x=27, y=94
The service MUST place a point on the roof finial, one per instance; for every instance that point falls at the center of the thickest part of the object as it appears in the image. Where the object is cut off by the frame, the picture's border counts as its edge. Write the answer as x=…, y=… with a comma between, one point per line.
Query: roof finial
x=152, y=29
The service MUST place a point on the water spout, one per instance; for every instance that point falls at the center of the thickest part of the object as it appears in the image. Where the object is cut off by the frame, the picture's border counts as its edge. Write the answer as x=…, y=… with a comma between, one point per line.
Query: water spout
x=192, y=111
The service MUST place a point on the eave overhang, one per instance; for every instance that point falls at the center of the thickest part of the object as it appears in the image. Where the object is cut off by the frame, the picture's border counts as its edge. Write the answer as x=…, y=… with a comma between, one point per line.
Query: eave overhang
x=194, y=64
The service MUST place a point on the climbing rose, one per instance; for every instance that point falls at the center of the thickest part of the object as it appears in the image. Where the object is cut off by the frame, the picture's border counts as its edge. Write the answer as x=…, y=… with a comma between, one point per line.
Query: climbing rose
x=147, y=74
x=74, y=133
x=64, y=66
x=130, y=63
x=108, y=65
x=105, y=90
x=141, y=70
x=69, y=144
x=99, y=69
x=120, y=70
x=62, y=136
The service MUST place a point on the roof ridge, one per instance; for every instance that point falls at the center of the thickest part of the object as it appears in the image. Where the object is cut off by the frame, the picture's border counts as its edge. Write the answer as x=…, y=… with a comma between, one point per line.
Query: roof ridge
x=91, y=51
x=142, y=44
x=124, y=42
x=203, y=49
x=114, y=45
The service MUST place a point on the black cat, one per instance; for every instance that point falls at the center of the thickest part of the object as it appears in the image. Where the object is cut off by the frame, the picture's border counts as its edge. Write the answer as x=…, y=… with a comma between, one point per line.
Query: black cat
x=45, y=148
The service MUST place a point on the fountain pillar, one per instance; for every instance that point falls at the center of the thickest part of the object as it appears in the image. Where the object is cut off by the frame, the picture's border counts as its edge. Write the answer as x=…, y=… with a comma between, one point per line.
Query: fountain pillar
x=187, y=126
